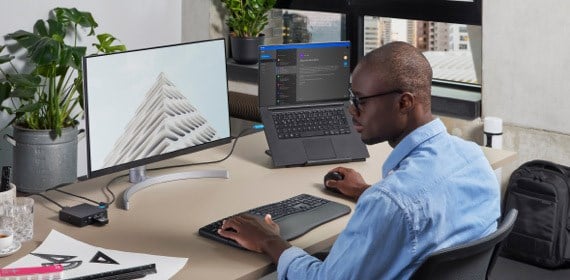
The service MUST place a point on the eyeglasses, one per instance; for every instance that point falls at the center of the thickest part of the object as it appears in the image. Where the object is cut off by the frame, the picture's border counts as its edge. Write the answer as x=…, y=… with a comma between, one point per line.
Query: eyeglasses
x=357, y=101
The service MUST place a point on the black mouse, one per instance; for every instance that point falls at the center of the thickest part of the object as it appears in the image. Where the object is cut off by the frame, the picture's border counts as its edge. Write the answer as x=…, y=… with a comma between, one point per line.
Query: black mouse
x=334, y=175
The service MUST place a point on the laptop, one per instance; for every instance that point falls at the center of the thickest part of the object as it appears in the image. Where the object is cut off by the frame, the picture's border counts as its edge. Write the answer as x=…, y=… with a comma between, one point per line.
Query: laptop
x=303, y=103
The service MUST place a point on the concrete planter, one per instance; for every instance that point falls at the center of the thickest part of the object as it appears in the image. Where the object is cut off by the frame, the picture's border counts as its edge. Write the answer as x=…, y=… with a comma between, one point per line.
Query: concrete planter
x=42, y=160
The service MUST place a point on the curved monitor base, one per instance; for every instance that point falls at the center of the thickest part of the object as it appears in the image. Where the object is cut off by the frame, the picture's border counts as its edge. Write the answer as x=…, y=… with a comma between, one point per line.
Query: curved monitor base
x=147, y=182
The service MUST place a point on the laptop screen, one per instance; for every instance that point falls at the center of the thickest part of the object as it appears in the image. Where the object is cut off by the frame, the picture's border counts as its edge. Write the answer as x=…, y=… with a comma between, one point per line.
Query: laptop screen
x=294, y=74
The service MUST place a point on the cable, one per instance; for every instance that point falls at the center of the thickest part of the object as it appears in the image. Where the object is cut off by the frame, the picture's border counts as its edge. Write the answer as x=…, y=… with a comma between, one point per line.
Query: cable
x=109, y=184
x=255, y=127
x=57, y=188
x=51, y=200
x=68, y=193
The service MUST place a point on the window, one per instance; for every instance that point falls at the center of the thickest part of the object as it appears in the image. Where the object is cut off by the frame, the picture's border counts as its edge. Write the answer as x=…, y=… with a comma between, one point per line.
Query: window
x=449, y=32
x=296, y=26
x=445, y=45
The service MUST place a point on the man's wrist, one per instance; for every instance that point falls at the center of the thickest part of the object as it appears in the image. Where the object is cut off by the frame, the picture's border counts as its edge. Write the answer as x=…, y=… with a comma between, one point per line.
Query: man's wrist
x=274, y=247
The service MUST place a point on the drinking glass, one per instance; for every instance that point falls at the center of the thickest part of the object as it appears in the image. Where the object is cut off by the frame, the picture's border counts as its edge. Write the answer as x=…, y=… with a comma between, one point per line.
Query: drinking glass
x=20, y=218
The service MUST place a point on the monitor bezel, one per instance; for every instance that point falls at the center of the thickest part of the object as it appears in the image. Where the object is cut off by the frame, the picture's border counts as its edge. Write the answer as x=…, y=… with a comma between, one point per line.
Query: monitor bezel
x=142, y=162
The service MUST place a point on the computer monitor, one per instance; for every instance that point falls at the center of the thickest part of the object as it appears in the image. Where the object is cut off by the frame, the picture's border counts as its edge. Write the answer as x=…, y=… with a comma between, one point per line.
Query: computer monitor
x=148, y=105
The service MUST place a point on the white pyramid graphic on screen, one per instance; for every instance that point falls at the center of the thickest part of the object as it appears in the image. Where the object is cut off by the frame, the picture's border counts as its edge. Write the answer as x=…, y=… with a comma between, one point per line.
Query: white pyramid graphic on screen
x=165, y=121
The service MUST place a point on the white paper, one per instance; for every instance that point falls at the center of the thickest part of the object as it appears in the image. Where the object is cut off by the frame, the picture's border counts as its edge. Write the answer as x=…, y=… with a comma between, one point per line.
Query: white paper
x=80, y=259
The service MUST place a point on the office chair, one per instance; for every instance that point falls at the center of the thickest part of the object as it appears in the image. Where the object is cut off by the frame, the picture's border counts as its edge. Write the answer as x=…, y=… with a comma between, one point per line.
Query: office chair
x=470, y=261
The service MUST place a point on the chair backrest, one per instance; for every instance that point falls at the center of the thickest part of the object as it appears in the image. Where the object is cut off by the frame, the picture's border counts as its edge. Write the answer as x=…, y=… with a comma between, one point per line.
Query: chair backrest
x=469, y=261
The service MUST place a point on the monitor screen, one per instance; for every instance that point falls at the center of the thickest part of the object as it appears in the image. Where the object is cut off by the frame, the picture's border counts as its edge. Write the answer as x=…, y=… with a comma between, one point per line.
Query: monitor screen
x=147, y=105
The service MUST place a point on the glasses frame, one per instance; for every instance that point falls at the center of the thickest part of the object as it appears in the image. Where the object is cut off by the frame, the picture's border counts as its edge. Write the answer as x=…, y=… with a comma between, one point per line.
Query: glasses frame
x=357, y=101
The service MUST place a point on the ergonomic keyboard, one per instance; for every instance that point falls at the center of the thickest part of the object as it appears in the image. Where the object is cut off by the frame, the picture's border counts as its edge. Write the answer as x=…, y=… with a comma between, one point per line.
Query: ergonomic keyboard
x=295, y=216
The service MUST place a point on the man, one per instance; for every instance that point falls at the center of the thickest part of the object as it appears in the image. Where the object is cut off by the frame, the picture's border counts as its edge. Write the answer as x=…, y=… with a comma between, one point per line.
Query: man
x=437, y=190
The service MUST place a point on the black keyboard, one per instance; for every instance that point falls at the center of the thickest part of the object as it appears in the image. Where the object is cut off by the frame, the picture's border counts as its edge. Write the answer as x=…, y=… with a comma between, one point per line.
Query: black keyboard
x=308, y=123
x=295, y=217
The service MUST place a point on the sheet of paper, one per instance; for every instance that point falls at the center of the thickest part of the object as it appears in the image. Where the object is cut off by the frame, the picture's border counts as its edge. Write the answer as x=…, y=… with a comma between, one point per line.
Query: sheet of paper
x=80, y=259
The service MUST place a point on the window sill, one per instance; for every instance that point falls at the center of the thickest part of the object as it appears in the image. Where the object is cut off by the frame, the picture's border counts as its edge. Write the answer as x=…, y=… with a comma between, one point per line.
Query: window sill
x=462, y=103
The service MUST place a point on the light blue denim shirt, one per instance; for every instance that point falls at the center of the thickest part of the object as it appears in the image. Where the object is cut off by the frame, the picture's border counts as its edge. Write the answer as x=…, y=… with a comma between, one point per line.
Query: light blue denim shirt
x=437, y=191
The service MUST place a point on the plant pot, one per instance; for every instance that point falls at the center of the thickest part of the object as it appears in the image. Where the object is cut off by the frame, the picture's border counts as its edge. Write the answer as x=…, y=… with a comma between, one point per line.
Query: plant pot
x=245, y=49
x=42, y=160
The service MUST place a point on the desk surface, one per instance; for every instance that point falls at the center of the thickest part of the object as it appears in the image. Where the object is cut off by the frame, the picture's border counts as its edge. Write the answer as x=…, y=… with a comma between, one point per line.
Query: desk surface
x=164, y=219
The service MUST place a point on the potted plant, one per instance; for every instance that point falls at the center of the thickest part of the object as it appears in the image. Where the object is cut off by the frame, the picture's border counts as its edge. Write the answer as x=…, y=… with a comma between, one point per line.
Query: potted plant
x=46, y=101
x=246, y=20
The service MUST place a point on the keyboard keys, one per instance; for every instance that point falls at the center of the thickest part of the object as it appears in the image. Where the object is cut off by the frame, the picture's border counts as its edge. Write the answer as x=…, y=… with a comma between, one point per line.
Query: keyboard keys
x=309, y=123
x=303, y=211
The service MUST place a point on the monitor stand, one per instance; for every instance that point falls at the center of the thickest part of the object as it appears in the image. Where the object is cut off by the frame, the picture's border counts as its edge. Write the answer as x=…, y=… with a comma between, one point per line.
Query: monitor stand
x=138, y=176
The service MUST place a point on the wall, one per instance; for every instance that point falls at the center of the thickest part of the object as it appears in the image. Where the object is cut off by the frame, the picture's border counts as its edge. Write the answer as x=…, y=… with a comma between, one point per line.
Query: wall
x=196, y=20
x=137, y=23
x=526, y=65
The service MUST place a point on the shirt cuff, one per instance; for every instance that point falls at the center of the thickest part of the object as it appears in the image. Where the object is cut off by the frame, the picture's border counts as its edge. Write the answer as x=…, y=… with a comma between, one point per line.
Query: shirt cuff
x=286, y=259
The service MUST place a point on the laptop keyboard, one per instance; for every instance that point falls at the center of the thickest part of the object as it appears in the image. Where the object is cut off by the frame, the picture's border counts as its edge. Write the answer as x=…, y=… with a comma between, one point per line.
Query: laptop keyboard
x=295, y=216
x=307, y=123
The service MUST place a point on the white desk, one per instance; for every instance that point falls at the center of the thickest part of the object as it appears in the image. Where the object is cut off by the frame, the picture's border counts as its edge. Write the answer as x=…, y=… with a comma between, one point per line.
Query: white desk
x=164, y=219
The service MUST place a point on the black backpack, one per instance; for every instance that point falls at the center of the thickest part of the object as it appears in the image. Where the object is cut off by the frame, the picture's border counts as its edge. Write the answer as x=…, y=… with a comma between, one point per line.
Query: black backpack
x=540, y=191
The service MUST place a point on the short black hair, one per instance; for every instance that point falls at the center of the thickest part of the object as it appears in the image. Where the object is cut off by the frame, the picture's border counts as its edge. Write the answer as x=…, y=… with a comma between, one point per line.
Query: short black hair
x=403, y=67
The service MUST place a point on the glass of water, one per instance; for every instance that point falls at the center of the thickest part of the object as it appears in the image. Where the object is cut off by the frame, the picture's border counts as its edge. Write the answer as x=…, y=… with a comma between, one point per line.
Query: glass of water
x=20, y=218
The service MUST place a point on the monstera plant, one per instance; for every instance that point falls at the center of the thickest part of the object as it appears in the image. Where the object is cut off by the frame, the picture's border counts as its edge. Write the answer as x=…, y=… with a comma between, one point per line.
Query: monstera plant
x=48, y=95
x=46, y=98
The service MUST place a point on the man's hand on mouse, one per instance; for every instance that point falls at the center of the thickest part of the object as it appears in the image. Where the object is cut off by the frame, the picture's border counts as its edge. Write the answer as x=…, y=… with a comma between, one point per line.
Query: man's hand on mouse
x=352, y=185
x=255, y=234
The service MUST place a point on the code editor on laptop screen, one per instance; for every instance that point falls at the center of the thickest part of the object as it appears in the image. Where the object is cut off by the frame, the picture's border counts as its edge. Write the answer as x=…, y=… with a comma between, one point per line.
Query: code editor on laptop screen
x=304, y=73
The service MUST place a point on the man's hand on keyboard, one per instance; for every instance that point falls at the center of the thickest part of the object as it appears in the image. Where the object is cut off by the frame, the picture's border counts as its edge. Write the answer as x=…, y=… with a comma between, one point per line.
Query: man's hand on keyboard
x=255, y=234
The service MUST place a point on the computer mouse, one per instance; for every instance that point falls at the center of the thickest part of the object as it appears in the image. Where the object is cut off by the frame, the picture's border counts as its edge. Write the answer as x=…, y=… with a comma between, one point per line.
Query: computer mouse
x=334, y=175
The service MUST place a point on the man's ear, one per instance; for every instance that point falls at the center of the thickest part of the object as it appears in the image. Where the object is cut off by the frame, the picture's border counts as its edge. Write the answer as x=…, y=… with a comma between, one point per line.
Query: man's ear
x=407, y=102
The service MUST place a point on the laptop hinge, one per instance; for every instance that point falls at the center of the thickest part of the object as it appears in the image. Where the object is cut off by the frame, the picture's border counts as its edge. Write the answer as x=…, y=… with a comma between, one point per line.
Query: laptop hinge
x=302, y=106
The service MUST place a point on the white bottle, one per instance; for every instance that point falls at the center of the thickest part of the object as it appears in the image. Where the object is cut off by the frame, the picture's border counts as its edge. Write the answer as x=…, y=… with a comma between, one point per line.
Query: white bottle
x=493, y=137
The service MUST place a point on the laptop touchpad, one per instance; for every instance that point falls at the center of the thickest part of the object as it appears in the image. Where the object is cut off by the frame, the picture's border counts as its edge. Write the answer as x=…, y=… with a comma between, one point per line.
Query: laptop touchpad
x=319, y=149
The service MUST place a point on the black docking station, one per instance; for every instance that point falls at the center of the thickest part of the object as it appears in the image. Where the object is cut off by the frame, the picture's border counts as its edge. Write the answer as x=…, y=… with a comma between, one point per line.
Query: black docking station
x=84, y=214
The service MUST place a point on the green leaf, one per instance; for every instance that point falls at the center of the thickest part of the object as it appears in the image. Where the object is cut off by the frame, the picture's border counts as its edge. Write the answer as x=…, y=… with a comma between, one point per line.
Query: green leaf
x=40, y=28
x=56, y=30
x=5, y=58
x=105, y=44
x=31, y=107
x=24, y=80
x=79, y=87
x=74, y=56
x=247, y=17
x=46, y=96
x=73, y=16
x=41, y=50
x=23, y=38
x=23, y=93
x=5, y=89
x=44, y=51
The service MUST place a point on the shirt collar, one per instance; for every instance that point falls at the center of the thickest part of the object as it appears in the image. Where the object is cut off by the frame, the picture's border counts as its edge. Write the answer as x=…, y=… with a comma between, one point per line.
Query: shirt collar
x=410, y=142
